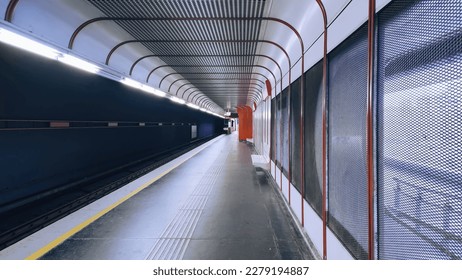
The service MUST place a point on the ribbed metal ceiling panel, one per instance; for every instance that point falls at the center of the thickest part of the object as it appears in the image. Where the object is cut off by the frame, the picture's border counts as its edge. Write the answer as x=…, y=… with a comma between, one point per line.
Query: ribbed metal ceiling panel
x=224, y=56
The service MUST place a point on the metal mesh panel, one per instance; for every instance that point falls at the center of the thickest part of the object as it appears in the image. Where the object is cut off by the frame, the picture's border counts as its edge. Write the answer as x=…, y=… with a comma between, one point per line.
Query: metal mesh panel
x=419, y=121
x=285, y=130
x=278, y=130
x=295, y=128
x=273, y=129
x=313, y=137
x=258, y=127
x=348, y=214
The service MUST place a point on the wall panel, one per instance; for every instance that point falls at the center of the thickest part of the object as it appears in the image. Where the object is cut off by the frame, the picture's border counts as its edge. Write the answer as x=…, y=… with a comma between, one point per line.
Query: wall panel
x=419, y=128
x=347, y=183
x=295, y=165
x=313, y=137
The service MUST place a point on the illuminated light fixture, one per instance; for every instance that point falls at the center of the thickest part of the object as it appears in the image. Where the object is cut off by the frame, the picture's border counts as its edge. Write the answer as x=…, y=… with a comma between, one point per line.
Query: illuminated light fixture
x=78, y=63
x=32, y=46
x=215, y=114
x=194, y=106
x=153, y=91
x=135, y=84
x=22, y=42
x=131, y=83
x=27, y=44
x=177, y=100
x=227, y=114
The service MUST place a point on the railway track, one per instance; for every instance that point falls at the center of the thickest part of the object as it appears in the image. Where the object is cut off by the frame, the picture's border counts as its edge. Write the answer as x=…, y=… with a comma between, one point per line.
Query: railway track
x=22, y=218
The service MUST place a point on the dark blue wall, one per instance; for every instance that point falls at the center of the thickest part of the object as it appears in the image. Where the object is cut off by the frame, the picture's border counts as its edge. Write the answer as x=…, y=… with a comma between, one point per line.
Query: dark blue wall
x=35, y=88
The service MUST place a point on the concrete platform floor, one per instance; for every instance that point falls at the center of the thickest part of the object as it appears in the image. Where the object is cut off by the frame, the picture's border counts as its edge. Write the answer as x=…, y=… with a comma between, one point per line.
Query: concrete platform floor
x=217, y=205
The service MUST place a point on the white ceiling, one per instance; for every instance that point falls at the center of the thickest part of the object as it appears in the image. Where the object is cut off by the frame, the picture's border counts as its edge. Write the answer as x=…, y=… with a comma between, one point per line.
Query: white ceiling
x=55, y=21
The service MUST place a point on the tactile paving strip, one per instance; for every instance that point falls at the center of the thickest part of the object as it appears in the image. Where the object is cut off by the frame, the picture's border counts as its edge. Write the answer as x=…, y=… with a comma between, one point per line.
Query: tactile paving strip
x=175, y=239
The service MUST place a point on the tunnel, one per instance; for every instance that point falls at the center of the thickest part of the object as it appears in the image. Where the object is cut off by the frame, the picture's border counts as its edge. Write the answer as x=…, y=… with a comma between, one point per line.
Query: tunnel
x=231, y=130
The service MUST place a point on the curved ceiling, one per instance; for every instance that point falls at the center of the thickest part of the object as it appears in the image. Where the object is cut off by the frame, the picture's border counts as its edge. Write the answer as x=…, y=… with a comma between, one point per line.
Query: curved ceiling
x=215, y=53
x=205, y=33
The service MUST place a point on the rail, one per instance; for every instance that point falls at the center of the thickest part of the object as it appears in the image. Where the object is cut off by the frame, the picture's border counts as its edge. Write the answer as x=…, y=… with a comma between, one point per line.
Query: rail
x=430, y=213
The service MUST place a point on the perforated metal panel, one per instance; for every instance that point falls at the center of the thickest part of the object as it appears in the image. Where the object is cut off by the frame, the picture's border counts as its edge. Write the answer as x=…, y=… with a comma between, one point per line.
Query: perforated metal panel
x=278, y=130
x=295, y=129
x=258, y=127
x=285, y=130
x=420, y=136
x=313, y=137
x=347, y=189
x=273, y=129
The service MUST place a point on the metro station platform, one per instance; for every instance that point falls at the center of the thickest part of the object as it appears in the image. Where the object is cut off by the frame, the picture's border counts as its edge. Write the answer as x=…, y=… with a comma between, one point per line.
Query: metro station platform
x=210, y=203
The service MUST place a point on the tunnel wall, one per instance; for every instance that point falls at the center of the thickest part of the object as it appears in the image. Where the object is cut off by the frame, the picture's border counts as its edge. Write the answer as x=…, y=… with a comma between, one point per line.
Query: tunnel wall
x=59, y=124
x=415, y=113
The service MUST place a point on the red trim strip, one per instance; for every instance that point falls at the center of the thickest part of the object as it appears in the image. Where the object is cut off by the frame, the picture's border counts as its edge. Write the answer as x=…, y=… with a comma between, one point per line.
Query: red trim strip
x=324, y=135
x=59, y=124
x=370, y=127
x=281, y=154
x=10, y=10
x=268, y=86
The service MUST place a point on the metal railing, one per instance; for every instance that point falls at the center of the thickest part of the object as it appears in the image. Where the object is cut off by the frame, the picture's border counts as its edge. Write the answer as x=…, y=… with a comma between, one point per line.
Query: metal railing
x=432, y=211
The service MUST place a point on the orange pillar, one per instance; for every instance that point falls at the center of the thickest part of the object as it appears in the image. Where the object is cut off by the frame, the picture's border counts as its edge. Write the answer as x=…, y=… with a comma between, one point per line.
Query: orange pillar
x=240, y=114
x=245, y=122
x=249, y=133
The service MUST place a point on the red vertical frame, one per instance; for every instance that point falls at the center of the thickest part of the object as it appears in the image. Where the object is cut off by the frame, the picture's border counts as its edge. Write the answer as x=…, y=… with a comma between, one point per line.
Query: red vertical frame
x=370, y=127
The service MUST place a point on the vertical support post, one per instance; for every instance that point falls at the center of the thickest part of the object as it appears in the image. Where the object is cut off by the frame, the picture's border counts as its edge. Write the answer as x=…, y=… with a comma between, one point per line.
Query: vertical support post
x=10, y=10
x=324, y=135
x=289, y=141
x=370, y=128
x=267, y=118
x=302, y=134
x=280, y=139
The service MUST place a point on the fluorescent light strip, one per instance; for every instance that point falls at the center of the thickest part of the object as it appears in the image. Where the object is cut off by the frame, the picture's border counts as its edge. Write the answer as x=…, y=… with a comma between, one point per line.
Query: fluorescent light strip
x=135, y=84
x=177, y=100
x=153, y=91
x=22, y=42
x=131, y=83
x=194, y=106
x=27, y=44
x=78, y=63
x=32, y=46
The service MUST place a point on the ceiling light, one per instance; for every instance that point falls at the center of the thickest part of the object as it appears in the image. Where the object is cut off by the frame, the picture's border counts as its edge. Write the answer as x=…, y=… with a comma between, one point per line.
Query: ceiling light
x=131, y=83
x=27, y=44
x=153, y=91
x=194, y=106
x=177, y=100
x=78, y=63
x=135, y=84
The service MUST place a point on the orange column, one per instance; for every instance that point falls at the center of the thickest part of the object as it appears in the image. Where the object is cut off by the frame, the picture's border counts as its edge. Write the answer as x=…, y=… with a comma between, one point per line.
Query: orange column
x=240, y=113
x=249, y=126
x=245, y=122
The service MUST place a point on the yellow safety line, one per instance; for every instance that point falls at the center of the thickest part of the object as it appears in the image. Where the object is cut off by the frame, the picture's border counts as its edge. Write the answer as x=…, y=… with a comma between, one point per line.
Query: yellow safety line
x=84, y=224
